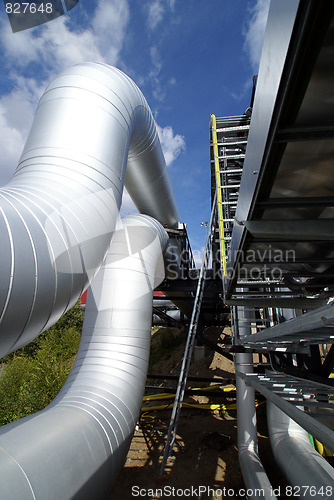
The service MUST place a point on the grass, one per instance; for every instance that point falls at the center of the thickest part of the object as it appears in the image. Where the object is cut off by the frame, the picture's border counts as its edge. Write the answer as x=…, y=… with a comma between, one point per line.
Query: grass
x=164, y=341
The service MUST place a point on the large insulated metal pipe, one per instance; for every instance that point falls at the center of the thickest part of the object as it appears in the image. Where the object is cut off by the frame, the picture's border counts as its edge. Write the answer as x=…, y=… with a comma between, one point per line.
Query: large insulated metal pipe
x=255, y=477
x=310, y=475
x=92, y=129
x=77, y=445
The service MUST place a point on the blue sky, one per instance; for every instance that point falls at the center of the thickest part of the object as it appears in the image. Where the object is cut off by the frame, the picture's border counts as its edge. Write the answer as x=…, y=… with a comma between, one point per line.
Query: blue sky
x=190, y=58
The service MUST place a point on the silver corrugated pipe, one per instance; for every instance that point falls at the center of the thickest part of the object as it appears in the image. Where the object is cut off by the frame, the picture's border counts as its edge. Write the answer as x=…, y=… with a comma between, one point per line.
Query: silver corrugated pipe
x=310, y=475
x=58, y=212
x=255, y=477
x=77, y=445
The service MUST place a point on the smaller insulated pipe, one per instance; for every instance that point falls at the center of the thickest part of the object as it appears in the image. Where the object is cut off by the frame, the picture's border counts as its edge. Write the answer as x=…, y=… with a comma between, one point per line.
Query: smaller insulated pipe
x=309, y=474
x=255, y=477
x=76, y=446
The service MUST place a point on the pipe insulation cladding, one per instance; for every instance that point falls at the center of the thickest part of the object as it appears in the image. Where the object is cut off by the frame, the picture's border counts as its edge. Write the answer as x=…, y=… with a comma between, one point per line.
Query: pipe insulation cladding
x=92, y=131
x=305, y=469
x=76, y=446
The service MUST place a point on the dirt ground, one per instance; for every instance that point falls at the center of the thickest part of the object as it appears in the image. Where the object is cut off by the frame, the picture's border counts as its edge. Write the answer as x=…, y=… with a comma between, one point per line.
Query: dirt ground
x=205, y=452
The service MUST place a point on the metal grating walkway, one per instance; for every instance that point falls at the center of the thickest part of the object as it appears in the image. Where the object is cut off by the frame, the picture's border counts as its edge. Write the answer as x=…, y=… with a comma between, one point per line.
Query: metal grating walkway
x=291, y=394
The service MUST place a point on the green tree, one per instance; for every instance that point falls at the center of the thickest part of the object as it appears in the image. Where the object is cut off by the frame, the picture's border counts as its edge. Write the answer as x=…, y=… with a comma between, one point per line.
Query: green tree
x=34, y=374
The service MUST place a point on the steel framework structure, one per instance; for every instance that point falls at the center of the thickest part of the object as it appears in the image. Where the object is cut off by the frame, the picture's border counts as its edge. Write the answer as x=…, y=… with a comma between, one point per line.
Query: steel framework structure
x=274, y=178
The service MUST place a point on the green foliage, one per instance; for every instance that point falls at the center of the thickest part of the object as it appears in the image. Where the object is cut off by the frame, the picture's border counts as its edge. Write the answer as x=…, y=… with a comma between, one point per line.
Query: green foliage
x=33, y=375
x=15, y=399
x=73, y=319
x=164, y=340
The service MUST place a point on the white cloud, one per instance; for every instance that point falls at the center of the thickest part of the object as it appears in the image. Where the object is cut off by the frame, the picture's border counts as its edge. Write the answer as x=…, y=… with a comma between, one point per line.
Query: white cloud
x=47, y=51
x=48, y=48
x=254, y=33
x=245, y=90
x=172, y=144
x=155, y=14
x=57, y=46
x=156, y=10
x=109, y=24
x=12, y=138
x=16, y=114
x=158, y=89
x=198, y=254
x=156, y=60
x=18, y=106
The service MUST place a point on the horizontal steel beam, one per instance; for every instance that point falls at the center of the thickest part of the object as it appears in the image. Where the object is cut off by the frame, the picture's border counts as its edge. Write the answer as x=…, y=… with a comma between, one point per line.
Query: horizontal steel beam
x=319, y=201
x=294, y=134
x=293, y=230
x=292, y=302
x=320, y=318
x=315, y=428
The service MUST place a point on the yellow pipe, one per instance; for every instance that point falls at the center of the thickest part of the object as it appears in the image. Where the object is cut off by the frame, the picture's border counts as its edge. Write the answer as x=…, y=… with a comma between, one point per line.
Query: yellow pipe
x=168, y=395
x=193, y=405
x=210, y=406
x=219, y=192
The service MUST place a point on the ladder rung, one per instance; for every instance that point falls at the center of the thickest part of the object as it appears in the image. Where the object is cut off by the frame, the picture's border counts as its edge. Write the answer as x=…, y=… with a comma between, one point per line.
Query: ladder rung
x=235, y=143
x=232, y=157
x=232, y=171
x=232, y=129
